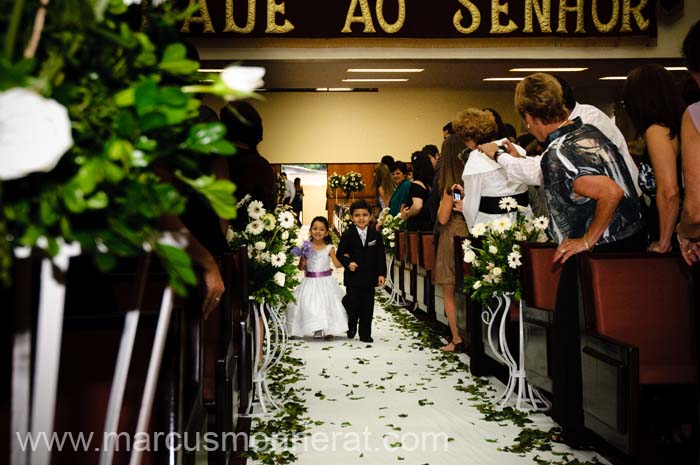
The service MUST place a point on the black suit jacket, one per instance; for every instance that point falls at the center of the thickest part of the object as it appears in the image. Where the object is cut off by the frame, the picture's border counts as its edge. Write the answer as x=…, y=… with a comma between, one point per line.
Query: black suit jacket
x=370, y=258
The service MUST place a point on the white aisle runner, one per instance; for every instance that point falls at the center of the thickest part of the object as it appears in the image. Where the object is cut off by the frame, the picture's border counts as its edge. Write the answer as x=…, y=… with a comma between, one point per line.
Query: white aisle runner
x=395, y=402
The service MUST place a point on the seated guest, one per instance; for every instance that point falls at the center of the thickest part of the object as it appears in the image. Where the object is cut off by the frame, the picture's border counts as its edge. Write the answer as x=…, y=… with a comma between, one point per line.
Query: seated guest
x=417, y=217
x=400, y=196
x=592, y=203
x=485, y=181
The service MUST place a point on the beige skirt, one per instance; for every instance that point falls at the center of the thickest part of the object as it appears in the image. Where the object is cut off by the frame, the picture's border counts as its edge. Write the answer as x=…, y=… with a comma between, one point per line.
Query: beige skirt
x=445, y=259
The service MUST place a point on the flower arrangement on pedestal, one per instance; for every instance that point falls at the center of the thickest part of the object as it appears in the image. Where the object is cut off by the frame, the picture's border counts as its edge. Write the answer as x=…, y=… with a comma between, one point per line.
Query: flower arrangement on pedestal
x=496, y=261
x=98, y=118
x=335, y=182
x=352, y=182
x=269, y=238
x=390, y=225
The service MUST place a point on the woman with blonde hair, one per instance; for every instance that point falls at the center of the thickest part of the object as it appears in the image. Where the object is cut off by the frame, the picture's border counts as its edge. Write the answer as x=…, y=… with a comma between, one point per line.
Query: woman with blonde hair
x=592, y=202
x=453, y=225
x=485, y=181
x=383, y=185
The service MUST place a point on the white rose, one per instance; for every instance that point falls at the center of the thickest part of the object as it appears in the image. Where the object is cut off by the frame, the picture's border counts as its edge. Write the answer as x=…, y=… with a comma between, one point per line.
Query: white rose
x=493, y=249
x=279, y=278
x=35, y=132
x=285, y=235
x=477, y=285
x=243, y=78
x=497, y=271
x=469, y=256
x=260, y=245
x=230, y=235
x=392, y=244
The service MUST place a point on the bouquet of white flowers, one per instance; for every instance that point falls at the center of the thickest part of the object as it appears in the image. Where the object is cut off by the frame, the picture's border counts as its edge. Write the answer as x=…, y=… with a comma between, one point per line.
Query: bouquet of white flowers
x=335, y=181
x=269, y=239
x=352, y=182
x=390, y=224
x=495, y=263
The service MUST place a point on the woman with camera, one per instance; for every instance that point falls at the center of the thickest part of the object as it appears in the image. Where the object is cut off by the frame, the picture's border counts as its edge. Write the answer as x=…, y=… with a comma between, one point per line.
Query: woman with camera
x=453, y=226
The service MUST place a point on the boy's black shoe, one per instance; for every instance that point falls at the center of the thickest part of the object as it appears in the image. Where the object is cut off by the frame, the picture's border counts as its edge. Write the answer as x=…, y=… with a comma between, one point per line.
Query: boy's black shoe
x=351, y=334
x=367, y=339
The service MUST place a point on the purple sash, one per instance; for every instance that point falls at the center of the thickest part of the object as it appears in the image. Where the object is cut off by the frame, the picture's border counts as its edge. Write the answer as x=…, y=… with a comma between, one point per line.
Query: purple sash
x=318, y=274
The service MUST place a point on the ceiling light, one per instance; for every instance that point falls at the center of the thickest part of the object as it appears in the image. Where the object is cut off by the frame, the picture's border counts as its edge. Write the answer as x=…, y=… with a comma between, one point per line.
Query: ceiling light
x=547, y=70
x=504, y=79
x=210, y=70
x=376, y=80
x=385, y=70
x=334, y=89
x=613, y=78
x=677, y=68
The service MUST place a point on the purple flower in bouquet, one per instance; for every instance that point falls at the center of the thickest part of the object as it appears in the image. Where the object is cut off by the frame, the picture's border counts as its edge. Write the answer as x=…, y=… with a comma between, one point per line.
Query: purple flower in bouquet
x=303, y=251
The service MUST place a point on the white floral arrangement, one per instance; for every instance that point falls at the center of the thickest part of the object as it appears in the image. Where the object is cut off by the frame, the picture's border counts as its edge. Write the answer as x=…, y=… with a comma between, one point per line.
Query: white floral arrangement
x=352, y=182
x=390, y=225
x=335, y=181
x=269, y=238
x=495, y=262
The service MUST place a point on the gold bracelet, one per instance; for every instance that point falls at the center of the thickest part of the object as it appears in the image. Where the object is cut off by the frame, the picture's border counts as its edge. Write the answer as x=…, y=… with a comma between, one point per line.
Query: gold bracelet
x=585, y=242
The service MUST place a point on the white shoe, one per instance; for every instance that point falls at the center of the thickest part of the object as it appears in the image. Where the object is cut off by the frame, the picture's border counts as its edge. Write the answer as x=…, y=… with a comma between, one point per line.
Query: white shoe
x=318, y=334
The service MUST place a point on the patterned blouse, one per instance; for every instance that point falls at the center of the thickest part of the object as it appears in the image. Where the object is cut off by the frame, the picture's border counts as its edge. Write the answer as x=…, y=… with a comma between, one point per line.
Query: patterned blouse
x=579, y=150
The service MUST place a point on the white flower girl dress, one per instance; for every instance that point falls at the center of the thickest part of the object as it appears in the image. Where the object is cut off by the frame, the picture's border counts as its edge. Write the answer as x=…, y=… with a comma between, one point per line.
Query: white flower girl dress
x=319, y=305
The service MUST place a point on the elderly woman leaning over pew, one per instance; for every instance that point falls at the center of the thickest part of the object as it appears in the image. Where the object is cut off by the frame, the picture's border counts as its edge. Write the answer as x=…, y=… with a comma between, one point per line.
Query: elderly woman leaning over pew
x=689, y=227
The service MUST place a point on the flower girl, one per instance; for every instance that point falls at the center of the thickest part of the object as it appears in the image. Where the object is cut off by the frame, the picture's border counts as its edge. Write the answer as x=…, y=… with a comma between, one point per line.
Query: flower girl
x=319, y=307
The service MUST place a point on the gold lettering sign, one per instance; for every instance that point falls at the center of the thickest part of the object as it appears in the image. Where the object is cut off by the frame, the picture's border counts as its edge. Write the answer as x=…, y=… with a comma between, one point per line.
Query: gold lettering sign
x=543, y=12
x=496, y=27
x=610, y=25
x=366, y=17
x=564, y=8
x=391, y=28
x=418, y=19
x=476, y=18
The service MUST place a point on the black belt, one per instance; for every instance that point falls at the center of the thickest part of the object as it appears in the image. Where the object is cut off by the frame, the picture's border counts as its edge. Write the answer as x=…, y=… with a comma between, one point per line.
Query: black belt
x=490, y=206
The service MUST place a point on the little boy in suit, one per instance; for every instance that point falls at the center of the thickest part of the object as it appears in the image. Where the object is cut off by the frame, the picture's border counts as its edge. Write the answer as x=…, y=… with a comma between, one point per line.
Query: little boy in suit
x=361, y=251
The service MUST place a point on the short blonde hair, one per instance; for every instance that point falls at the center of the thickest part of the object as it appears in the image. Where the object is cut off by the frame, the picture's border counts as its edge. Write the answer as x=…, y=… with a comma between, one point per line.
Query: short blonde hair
x=475, y=124
x=540, y=95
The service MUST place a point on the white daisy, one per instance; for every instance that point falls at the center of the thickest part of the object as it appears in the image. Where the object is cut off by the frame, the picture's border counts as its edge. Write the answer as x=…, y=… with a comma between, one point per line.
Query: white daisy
x=260, y=245
x=507, y=204
x=256, y=210
x=514, y=259
x=278, y=260
x=286, y=220
x=269, y=221
x=502, y=224
x=469, y=256
x=540, y=223
x=279, y=278
x=255, y=227
x=479, y=229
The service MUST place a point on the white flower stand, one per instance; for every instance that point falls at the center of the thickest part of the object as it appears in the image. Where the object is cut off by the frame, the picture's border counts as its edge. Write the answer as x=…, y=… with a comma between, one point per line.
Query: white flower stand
x=517, y=387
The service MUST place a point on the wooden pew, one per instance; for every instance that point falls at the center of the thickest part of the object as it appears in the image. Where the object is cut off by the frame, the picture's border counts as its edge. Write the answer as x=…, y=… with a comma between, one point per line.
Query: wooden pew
x=406, y=276
x=639, y=311
x=426, y=254
x=540, y=279
x=418, y=274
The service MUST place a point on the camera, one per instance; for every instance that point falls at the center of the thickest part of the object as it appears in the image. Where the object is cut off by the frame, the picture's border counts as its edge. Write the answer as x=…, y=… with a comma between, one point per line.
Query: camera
x=456, y=195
